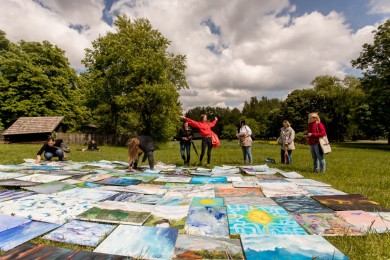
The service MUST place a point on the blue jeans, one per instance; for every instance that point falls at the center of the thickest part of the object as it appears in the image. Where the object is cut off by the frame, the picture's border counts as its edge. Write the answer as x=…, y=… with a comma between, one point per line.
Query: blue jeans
x=59, y=153
x=246, y=152
x=185, y=151
x=318, y=156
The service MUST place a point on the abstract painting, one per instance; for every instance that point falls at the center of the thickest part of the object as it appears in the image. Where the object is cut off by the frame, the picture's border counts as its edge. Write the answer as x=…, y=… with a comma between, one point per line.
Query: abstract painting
x=289, y=247
x=203, y=180
x=13, y=237
x=114, y=216
x=292, y=175
x=13, y=194
x=143, y=178
x=249, y=200
x=10, y=175
x=86, y=194
x=80, y=233
x=42, y=178
x=125, y=196
x=237, y=192
x=281, y=189
x=146, y=189
x=315, y=191
x=207, y=201
x=266, y=220
x=175, y=178
x=365, y=221
x=301, y=204
x=175, y=201
x=95, y=177
x=191, y=191
x=50, y=187
x=168, y=216
x=308, y=182
x=87, y=184
x=207, y=221
x=16, y=183
x=149, y=199
x=326, y=224
x=146, y=242
x=7, y=222
x=120, y=181
x=201, y=247
x=245, y=184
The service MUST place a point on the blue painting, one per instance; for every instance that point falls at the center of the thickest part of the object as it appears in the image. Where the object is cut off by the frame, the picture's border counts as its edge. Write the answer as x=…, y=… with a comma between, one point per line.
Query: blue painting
x=120, y=181
x=204, y=180
x=7, y=222
x=271, y=220
x=145, y=242
x=301, y=204
x=207, y=201
x=87, y=184
x=80, y=233
x=125, y=196
x=13, y=194
x=13, y=237
x=149, y=199
x=289, y=247
x=207, y=221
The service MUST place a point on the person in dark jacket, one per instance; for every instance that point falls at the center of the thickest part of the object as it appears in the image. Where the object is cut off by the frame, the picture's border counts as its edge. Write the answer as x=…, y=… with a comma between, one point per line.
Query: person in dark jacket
x=141, y=145
x=92, y=146
x=185, y=137
x=52, y=148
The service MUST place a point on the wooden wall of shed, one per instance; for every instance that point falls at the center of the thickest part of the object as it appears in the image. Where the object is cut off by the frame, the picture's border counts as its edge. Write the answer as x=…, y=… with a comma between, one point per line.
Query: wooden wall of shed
x=101, y=139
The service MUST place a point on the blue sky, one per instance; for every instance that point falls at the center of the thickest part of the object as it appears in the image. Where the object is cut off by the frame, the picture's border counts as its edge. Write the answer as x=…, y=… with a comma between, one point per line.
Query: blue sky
x=235, y=49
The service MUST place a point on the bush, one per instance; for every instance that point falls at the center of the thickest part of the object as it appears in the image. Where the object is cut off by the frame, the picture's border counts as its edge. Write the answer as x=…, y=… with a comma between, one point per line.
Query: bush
x=300, y=138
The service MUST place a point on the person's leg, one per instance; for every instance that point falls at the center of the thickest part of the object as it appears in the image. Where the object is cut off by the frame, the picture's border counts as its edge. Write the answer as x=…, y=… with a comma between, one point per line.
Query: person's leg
x=249, y=153
x=314, y=154
x=188, y=148
x=243, y=153
x=59, y=154
x=209, y=147
x=282, y=156
x=48, y=156
x=204, y=145
x=182, y=148
x=289, y=156
x=321, y=159
x=150, y=159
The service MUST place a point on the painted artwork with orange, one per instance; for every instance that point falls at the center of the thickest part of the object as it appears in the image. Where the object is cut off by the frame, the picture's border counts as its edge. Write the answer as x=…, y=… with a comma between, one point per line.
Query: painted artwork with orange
x=238, y=192
x=207, y=201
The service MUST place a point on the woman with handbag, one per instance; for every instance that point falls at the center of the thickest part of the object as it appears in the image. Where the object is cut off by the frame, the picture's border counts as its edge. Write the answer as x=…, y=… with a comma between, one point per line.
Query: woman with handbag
x=286, y=141
x=315, y=130
x=204, y=127
x=244, y=134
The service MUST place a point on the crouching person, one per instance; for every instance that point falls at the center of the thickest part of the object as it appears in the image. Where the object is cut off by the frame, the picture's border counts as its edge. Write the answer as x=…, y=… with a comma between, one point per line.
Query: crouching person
x=52, y=148
x=138, y=146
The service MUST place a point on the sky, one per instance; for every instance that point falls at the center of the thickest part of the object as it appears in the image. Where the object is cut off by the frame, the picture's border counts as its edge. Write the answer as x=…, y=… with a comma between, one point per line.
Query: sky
x=235, y=49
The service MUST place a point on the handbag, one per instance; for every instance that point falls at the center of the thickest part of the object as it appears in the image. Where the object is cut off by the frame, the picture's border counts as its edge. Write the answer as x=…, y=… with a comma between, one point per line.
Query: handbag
x=325, y=145
x=215, y=140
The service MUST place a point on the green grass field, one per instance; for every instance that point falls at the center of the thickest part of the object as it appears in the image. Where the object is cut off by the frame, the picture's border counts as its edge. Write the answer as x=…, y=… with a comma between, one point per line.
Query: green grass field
x=351, y=167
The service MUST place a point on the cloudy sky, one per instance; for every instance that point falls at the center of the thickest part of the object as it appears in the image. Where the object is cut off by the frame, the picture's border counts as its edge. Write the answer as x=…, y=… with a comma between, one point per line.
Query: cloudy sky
x=236, y=49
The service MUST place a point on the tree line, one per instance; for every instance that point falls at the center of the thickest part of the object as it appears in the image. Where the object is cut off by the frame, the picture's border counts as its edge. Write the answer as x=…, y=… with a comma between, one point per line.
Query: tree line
x=131, y=86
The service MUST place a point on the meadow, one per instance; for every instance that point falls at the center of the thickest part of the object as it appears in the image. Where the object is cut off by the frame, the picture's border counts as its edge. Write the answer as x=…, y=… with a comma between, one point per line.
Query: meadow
x=352, y=167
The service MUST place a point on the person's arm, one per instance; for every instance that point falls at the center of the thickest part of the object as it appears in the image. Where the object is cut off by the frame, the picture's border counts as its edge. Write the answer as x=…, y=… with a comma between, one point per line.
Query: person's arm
x=291, y=137
x=38, y=159
x=191, y=122
x=212, y=123
x=320, y=130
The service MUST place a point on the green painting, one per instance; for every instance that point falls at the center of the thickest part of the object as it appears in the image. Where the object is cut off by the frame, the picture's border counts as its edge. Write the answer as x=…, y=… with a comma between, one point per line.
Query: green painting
x=115, y=216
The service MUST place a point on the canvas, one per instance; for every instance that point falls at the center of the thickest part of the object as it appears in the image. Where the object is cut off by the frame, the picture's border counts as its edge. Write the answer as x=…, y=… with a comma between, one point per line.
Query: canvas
x=149, y=199
x=80, y=233
x=125, y=196
x=120, y=181
x=180, y=179
x=365, y=221
x=191, y=191
x=281, y=189
x=168, y=216
x=50, y=187
x=315, y=191
x=10, y=175
x=42, y=178
x=7, y=222
x=207, y=201
x=147, y=242
x=301, y=204
x=237, y=192
x=308, y=182
x=250, y=201
x=14, y=194
x=292, y=175
x=16, y=183
x=289, y=247
x=207, y=221
x=203, y=180
x=265, y=220
x=86, y=194
x=245, y=184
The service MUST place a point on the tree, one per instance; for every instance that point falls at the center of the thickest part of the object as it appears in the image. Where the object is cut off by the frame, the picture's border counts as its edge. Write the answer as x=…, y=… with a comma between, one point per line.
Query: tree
x=133, y=81
x=374, y=61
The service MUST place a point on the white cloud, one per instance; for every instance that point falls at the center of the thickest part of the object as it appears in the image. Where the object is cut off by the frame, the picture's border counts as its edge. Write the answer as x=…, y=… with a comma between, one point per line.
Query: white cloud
x=380, y=6
x=260, y=47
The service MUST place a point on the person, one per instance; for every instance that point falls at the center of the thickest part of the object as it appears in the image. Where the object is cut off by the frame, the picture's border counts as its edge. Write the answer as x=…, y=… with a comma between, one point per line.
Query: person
x=92, y=146
x=286, y=141
x=185, y=137
x=315, y=130
x=52, y=148
x=244, y=134
x=204, y=127
x=140, y=145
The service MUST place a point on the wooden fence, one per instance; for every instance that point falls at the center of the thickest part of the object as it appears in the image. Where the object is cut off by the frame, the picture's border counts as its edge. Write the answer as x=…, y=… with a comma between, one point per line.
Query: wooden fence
x=101, y=139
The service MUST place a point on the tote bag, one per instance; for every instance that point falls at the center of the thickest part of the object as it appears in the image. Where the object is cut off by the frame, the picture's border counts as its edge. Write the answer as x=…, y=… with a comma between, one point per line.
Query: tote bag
x=325, y=145
x=215, y=140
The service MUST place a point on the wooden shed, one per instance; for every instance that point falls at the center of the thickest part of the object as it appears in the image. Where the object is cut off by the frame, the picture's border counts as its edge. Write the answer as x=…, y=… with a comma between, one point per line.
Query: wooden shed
x=32, y=129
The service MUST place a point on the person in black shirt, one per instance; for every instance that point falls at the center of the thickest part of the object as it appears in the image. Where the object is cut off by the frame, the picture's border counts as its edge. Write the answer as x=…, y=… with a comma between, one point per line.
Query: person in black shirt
x=92, y=146
x=140, y=145
x=52, y=148
x=185, y=137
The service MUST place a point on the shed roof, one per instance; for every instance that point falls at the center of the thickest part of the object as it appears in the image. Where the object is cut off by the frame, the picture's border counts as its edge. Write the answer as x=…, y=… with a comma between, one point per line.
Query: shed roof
x=33, y=125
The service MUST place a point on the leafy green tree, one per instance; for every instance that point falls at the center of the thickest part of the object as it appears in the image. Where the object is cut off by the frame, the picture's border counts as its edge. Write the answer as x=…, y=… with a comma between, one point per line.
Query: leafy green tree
x=374, y=61
x=229, y=132
x=133, y=81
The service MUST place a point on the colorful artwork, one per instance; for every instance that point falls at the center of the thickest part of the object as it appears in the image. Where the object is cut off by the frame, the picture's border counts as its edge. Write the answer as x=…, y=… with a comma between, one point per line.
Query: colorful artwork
x=146, y=242
x=149, y=199
x=350, y=202
x=7, y=222
x=245, y=184
x=201, y=247
x=10, y=175
x=168, y=216
x=289, y=247
x=308, y=182
x=174, y=178
x=315, y=191
x=86, y=184
x=145, y=189
x=143, y=178
x=249, y=200
x=80, y=233
x=237, y=192
x=365, y=221
x=95, y=177
x=175, y=201
x=86, y=194
x=266, y=220
x=125, y=196
x=114, y=216
x=191, y=191
x=16, y=183
x=301, y=204
x=281, y=189
x=207, y=221
x=13, y=237
x=207, y=201
x=13, y=194
x=42, y=178
x=292, y=175
x=50, y=187
x=203, y=180
x=120, y=181
x=325, y=224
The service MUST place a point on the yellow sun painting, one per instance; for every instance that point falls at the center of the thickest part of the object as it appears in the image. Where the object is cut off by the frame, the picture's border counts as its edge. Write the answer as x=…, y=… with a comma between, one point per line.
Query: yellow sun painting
x=206, y=201
x=259, y=216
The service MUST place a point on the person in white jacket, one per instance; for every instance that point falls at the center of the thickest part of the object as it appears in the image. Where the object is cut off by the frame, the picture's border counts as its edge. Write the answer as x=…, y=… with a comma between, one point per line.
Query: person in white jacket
x=286, y=141
x=244, y=134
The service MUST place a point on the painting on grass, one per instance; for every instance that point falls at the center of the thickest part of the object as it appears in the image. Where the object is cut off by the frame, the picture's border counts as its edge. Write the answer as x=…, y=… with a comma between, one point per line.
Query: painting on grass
x=204, y=180
x=114, y=216
x=245, y=184
x=301, y=204
x=350, y=202
x=266, y=220
x=125, y=197
x=44, y=207
x=281, y=189
x=309, y=182
x=249, y=200
x=326, y=224
x=120, y=181
x=32, y=251
x=149, y=199
x=87, y=184
x=292, y=175
x=365, y=221
x=201, y=247
x=43, y=178
x=289, y=247
x=10, y=175
x=237, y=192
x=143, y=178
x=207, y=221
x=146, y=242
x=13, y=237
x=175, y=201
x=168, y=216
x=16, y=183
x=191, y=191
x=7, y=222
x=13, y=194
x=95, y=177
x=80, y=233
x=207, y=201
x=316, y=191
x=144, y=189
x=174, y=178
x=86, y=194
x=50, y=187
